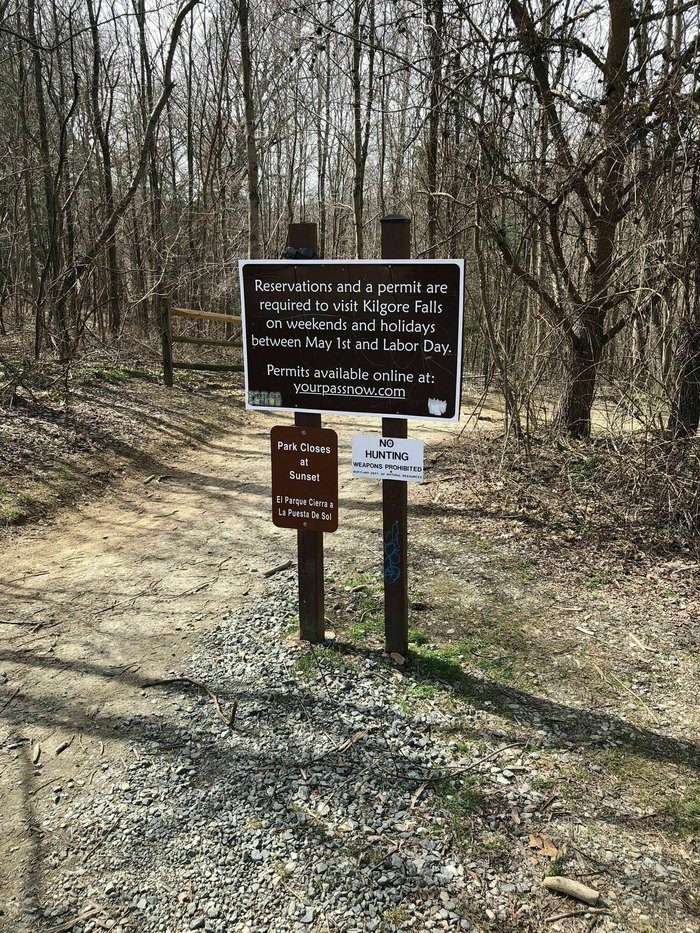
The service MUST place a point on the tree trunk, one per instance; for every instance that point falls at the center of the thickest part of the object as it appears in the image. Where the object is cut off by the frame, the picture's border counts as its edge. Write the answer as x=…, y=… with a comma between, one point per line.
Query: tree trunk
x=254, y=235
x=435, y=26
x=684, y=417
x=584, y=351
x=360, y=132
x=52, y=266
x=102, y=131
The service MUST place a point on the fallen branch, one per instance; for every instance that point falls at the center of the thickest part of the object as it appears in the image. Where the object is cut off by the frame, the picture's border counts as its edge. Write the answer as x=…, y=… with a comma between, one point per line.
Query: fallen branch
x=184, y=679
x=628, y=689
x=273, y=570
x=5, y=705
x=192, y=591
x=586, y=912
x=69, y=924
x=571, y=888
x=353, y=740
x=493, y=754
x=64, y=745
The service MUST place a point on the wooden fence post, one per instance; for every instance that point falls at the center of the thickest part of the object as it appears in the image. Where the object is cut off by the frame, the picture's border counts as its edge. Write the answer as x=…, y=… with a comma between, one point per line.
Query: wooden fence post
x=396, y=244
x=166, y=337
x=309, y=543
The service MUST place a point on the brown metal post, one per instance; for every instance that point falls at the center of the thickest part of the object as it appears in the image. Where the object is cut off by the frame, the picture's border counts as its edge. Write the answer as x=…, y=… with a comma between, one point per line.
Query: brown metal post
x=166, y=336
x=396, y=244
x=309, y=543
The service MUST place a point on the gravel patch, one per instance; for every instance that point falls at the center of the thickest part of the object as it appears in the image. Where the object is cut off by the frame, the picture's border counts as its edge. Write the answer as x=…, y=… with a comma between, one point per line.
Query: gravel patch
x=334, y=803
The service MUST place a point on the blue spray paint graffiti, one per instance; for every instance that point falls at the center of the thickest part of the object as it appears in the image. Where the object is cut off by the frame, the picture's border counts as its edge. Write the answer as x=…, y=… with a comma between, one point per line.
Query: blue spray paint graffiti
x=392, y=555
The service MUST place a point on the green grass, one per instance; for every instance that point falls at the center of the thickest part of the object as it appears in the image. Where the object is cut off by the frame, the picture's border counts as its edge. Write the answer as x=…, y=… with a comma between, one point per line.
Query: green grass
x=396, y=915
x=492, y=844
x=602, y=578
x=446, y=663
x=12, y=515
x=462, y=800
x=580, y=471
x=652, y=786
x=15, y=509
x=321, y=659
x=558, y=865
x=416, y=638
x=418, y=691
x=113, y=375
x=368, y=628
x=684, y=811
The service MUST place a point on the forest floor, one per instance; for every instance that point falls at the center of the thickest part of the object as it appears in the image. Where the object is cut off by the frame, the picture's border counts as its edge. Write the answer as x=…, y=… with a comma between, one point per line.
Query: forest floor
x=560, y=658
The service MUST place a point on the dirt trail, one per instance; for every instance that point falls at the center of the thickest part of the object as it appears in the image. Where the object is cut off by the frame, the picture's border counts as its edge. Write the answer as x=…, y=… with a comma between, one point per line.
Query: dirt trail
x=108, y=597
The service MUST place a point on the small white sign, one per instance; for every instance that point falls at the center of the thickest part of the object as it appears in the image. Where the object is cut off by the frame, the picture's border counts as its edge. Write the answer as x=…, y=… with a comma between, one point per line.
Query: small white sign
x=387, y=458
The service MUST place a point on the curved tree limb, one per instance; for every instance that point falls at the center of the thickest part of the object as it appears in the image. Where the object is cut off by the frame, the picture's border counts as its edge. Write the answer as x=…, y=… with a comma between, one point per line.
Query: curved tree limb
x=72, y=276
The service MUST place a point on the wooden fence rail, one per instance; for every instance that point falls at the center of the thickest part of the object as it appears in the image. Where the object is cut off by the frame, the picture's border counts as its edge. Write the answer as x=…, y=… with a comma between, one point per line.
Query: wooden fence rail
x=167, y=313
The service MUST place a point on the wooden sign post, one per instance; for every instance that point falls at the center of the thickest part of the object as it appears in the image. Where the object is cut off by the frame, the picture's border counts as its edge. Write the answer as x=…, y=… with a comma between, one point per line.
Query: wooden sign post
x=356, y=337
x=396, y=244
x=309, y=543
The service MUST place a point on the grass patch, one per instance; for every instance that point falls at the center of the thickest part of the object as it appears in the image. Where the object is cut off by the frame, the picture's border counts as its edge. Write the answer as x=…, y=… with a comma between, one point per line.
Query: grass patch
x=115, y=376
x=420, y=691
x=684, y=811
x=462, y=800
x=12, y=515
x=20, y=508
x=490, y=844
x=369, y=628
x=445, y=663
x=52, y=487
x=416, y=638
x=397, y=915
x=321, y=660
x=602, y=578
x=652, y=786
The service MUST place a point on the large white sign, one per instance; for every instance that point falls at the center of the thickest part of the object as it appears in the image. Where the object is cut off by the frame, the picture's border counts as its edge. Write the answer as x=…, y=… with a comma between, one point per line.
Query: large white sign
x=387, y=458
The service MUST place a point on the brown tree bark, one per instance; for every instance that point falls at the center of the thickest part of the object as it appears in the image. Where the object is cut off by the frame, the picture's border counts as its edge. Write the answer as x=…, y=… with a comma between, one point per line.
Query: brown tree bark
x=102, y=131
x=435, y=18
x=254, y=225
x=585, y=322
x=684, y=417
x=361, y=123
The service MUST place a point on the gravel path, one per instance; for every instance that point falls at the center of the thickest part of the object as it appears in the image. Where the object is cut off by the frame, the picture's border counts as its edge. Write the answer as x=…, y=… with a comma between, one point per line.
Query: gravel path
x=307, y=815
x=327, y=807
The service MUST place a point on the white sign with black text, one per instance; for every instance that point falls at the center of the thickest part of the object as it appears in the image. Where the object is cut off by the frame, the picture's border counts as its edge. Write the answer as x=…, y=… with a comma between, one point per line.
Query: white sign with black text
x=387, y=458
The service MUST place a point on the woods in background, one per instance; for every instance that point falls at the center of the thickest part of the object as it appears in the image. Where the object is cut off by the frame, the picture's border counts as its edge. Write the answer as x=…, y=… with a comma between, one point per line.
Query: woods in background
x=555, y=147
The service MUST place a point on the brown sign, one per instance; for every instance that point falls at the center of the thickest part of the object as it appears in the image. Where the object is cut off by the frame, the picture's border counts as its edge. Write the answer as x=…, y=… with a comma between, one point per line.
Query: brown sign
x=304, y=478
x=354, y=337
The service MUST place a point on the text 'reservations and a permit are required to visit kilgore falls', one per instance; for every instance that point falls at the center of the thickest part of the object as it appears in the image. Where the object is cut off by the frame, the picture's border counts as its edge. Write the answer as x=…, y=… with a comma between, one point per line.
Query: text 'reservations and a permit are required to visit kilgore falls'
x=365, y=337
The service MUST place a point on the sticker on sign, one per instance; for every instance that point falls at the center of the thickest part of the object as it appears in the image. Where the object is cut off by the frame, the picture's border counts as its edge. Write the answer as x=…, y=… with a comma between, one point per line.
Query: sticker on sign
x=387, y=458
